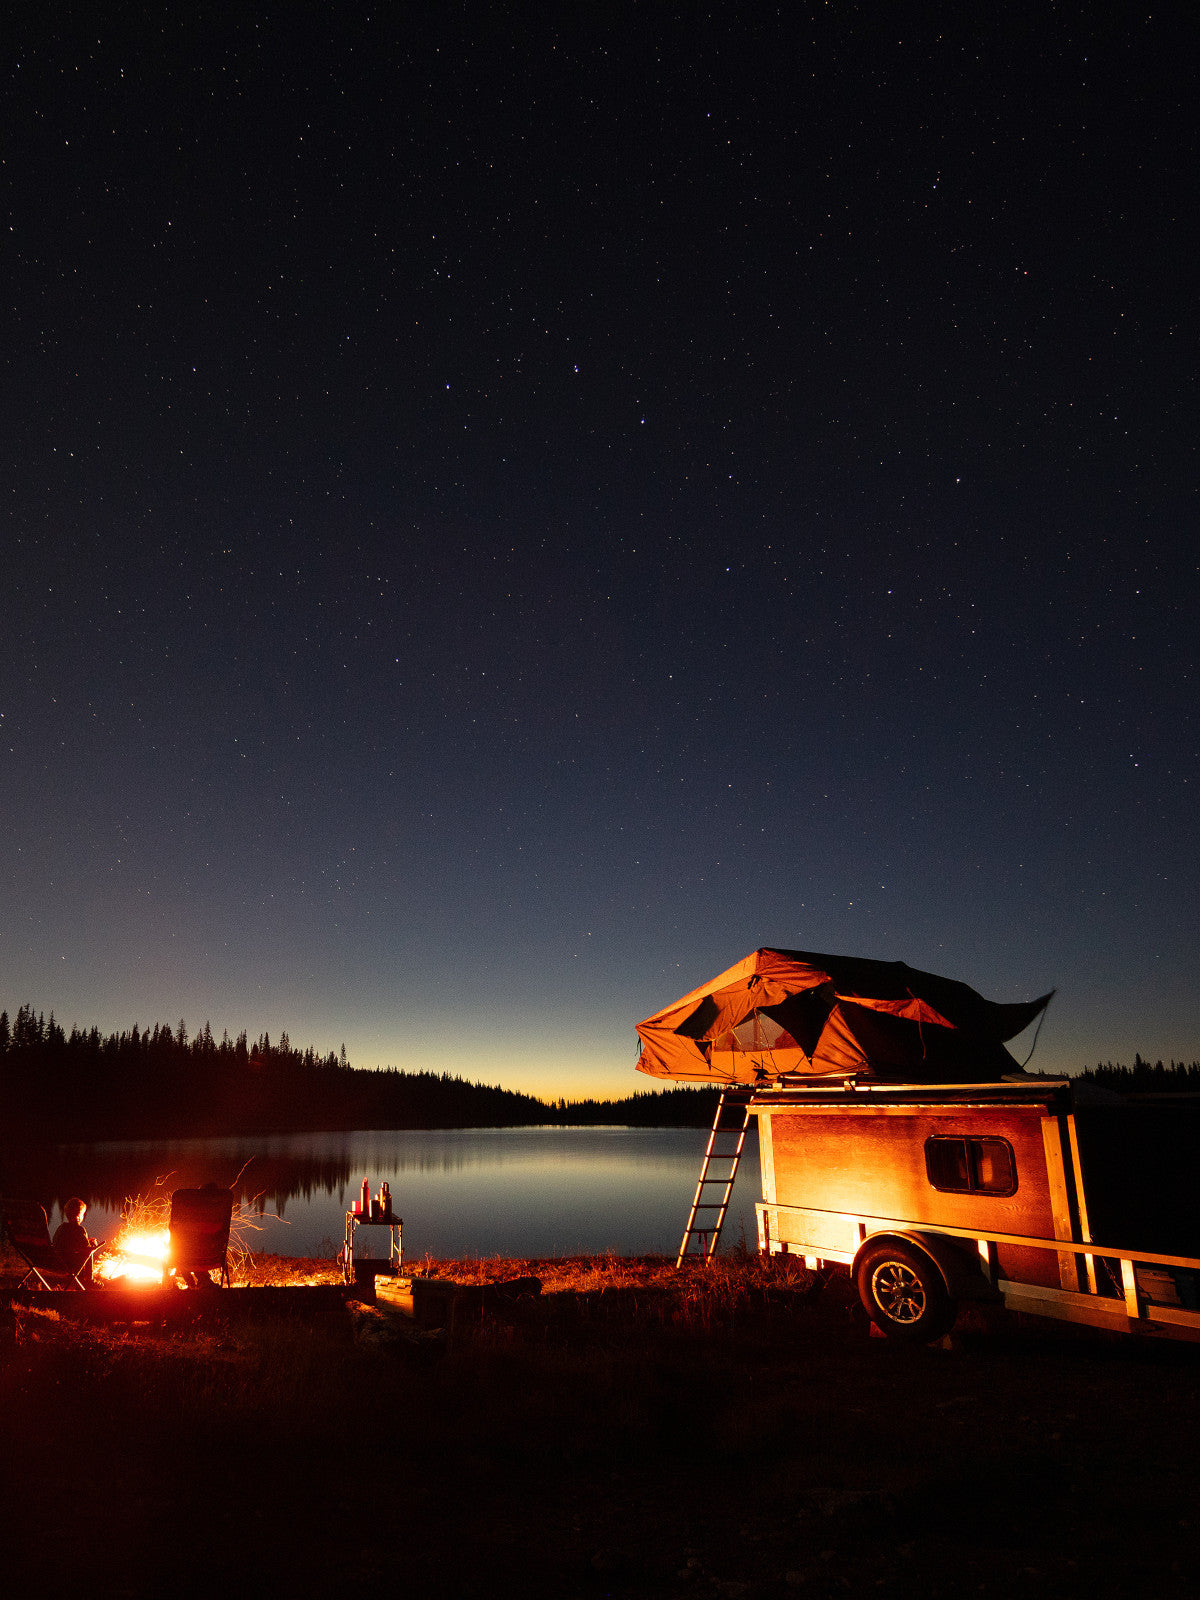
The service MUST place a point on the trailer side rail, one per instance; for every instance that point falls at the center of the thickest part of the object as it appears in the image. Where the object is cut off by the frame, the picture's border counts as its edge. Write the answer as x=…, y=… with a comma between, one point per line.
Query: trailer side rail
x=1131, y=1312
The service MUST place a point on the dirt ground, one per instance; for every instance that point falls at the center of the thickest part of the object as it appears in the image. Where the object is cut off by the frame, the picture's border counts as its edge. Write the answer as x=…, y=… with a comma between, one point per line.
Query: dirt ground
x=628, y=1432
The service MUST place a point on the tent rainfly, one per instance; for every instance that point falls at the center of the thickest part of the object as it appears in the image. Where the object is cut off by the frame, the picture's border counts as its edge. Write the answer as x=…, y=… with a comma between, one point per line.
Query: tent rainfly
x=790, y=1013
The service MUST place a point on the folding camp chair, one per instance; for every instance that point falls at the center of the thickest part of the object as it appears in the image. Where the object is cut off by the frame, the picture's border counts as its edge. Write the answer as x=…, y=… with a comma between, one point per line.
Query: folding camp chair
x=28, y=1232
x=199, y=1226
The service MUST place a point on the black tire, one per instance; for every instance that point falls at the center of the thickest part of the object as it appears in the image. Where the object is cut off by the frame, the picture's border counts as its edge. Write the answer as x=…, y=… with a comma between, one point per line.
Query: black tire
x=903, y=1292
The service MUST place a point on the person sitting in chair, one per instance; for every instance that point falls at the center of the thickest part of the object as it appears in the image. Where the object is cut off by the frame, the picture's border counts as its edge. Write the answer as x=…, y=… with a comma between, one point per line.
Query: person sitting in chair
x=71, y=1243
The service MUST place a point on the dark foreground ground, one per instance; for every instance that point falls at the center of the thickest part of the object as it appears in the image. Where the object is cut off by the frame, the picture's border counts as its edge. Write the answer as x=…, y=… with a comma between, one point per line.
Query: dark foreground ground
x=631, y=1432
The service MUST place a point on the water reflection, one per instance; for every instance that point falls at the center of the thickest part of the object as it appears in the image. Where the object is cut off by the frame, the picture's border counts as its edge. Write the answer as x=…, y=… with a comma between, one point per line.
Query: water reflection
x=518, y=1191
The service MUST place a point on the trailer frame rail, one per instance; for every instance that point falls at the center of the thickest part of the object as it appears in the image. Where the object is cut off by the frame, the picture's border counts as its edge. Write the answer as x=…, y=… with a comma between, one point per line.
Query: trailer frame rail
x=1129, y=1311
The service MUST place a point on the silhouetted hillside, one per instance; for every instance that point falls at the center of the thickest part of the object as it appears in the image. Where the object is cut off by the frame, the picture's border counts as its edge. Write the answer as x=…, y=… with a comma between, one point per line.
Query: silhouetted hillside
x=159, y=1082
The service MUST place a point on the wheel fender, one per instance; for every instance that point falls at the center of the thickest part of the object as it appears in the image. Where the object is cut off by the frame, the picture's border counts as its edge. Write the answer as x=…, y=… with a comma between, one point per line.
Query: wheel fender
x=963, y=1278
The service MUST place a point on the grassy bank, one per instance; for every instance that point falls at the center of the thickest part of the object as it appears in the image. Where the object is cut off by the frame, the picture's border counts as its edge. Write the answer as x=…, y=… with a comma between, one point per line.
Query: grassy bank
x=632, y=1431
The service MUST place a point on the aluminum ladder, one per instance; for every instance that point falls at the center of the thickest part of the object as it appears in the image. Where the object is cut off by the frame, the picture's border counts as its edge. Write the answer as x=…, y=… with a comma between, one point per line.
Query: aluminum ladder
x=729, y=1127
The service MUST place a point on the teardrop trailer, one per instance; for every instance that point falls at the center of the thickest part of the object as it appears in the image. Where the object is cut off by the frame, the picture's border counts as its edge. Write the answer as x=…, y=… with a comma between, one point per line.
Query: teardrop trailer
x=899, y=1139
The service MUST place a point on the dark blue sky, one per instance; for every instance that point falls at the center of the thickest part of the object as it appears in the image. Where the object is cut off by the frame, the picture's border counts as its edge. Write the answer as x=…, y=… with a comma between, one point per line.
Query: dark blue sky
x=506, y=512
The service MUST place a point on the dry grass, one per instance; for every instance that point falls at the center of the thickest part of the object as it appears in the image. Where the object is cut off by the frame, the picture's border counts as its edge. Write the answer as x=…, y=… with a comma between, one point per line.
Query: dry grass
x=631, y=1432
x=738, y=1271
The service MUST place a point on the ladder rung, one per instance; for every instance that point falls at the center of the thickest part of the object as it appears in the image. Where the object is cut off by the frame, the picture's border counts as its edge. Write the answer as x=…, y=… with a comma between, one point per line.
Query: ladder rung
x=706, y=1237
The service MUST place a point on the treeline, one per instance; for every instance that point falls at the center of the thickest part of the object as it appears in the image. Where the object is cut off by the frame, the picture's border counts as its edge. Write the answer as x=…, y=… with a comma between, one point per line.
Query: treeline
x=160, y=1082
x=666, y=1108
x=1175, y=1077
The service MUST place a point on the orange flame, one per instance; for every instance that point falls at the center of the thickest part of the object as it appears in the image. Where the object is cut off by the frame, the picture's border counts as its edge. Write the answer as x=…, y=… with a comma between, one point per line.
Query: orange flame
x=137, y=1257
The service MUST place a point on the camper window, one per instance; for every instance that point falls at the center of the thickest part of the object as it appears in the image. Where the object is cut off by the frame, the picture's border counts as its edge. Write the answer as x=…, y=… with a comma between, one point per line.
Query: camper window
x=971, y=1166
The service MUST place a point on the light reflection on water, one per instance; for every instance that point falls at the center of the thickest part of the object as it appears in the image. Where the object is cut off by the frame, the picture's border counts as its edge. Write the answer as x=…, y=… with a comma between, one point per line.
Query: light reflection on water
x=461, y=1192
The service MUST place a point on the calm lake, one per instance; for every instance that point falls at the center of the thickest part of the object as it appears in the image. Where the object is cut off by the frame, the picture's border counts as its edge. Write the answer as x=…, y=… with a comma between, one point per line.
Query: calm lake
x=461, y=1192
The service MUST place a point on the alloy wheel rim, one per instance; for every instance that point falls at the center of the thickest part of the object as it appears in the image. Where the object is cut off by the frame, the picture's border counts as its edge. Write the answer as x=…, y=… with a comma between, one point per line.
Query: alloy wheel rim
x=898, y=1292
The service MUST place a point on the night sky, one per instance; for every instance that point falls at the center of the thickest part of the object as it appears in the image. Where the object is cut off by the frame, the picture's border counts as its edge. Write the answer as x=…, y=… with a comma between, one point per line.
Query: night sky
x=507, y=509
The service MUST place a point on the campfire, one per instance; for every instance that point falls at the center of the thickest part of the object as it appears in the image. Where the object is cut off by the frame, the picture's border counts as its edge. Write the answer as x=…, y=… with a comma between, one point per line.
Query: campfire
x=135, y=1256
x=139, y=1251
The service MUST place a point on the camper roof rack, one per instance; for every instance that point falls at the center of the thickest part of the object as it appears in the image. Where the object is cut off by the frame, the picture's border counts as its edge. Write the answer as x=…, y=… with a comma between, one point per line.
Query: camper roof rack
x=857, y=1083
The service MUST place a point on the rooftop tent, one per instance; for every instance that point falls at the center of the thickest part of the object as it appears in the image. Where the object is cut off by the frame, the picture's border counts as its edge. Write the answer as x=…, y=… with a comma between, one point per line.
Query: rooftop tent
x=792, y=1012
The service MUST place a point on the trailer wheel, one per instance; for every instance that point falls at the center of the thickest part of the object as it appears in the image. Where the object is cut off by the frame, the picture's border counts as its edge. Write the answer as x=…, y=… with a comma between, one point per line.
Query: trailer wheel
x=903, y=1292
